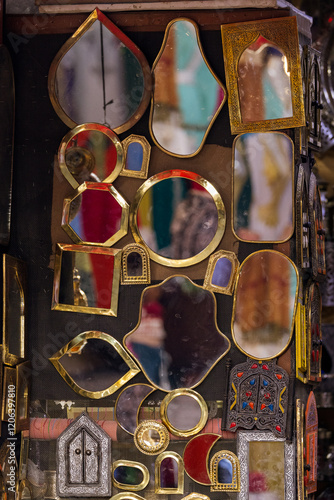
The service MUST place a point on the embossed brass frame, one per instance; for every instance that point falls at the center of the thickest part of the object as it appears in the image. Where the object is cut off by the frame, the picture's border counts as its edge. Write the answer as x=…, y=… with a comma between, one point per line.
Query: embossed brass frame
x=300, y=409
x=136, y=465
x=236, y=38
x=301, y=336
x=294, y=310
x=226, y=290
x=96, y=186
x=133, y=368
x=142, y=173
x=302, y=221
x=145, y=277
x=201, y=403
x=216, y=198
x=116, y=253
x=180, y=474
x=127, y=496
x=168, y=27
x=233, y=459
x=13, y=269
x=97, y=15
x=244, y=438
x=151, y=425
x=84, y=128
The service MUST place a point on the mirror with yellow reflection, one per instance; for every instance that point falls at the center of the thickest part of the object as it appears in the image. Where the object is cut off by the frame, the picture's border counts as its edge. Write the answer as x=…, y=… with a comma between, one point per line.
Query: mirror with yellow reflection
x=264, y=304
x=263, y=187
x=187, y=95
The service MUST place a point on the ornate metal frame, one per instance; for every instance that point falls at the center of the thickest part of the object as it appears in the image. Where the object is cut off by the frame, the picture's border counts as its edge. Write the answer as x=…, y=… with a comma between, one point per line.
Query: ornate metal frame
x=233, y=459
x=139, y=438
x=314, y=337
x=228, y=290
x=302, y=221
x=136, y=465
x=142, y=173
x=300, y=449
x=145, y=277
x=317, y=230
x=311, y=438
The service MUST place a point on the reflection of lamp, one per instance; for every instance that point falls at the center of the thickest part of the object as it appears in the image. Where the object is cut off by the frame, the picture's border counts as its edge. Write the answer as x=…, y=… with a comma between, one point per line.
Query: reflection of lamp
x=80, y=298
x=80, y=161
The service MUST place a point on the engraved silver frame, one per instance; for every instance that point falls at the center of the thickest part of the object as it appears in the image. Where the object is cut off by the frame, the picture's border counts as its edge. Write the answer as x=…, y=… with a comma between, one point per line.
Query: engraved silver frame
x=244, y=438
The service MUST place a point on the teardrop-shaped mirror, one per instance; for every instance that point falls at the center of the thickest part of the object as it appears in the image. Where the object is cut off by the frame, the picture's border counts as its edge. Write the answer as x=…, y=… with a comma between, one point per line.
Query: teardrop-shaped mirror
x=264, y=304
x=187, y=95
x=100, y=76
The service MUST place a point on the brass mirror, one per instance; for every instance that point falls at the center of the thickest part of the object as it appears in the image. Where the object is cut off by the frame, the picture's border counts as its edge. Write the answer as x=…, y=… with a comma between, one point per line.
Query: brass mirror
x=187, y=95
x=169, y=473
x=136, y=267
x=196, y=457
x=263, y=187
x=225, y=471
x=100, y=76
x=129, y=475
x=137, y=152
x=90, y=152
x=179, y=217
x=264, y=304
x=221, y=272
x=176, y=341
x=151, y=437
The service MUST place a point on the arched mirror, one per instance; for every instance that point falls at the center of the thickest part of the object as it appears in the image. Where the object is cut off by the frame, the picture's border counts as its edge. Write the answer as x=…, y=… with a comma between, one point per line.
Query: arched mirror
x=187, y=95
x=221, y=272
x=263, y=187
x=264, y=304
x=179, y=217
x=177, y=341
x=137, y=152
x=90, y=152
x=100, y=76
x=129, y=475
x=135, y=265
x=225, y=471
x=169, y=473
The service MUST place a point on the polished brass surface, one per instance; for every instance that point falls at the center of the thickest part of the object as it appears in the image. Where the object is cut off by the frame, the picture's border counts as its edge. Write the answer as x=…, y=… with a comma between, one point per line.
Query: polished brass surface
x=129, y=486
x=151, y=437
x=136, y=268
x=166, y=463
x=221, y=272
x=137, y=151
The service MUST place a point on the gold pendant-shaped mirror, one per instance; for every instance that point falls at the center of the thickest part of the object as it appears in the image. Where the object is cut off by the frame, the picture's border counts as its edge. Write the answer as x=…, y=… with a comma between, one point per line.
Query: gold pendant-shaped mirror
x=86, y=279
x=100, y=76
x=221, y=272
x=263, y=187
x=136, y=268
x=90, y=153
x=264, y=304
x=179, y=216
x=225, y=471
x=94, y=364
x=95, y=215
x=137, y=151
x=187, y=96
x=128, y=405
x=129, y=475
x=169, y=473
x=263, y=75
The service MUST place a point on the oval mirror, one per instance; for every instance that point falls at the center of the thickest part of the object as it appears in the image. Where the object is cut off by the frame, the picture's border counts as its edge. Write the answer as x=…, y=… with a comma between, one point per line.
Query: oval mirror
x=264, y=304
x=90, y=152
x=263, y=187
x=187, y=95
x=179, y=216
x=100, y=76
x=128, y=475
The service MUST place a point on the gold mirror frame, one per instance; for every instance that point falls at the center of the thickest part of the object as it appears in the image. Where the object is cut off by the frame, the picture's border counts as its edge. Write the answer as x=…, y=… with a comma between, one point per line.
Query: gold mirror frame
x=180, y=474
x=116, y=253
x=13, y=269
x=236, y=38
x=133, y=368
x=99, y=187
x=300, y=412
x=136, y=465
x=301, y=337
x=196, y=496
x=142, y=173
x=126, y=496
x=97, y=15
x=163, y=46
x=139, y=437
x=166, y=421
x=85, y=128
x=302, y=221
x=313, y=303
x=208, y=285
x=234, y=485
x=293, y=313
x=168, y=174
x=145, y=277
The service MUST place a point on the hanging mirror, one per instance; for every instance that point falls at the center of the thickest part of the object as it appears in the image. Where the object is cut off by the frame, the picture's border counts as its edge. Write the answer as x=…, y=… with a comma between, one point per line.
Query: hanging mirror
x=225, y=471
x=100, y=76
x=314, y=103
x=311, y=439
x=151, y=437
x=86, y=279
x=184, y=412
x=263, y=75
x=94, y=364
x=264, y=304
x=96, y=215
x=136, y=267
x=300, y=413
x=196, y=457
x=263, y=184
x=221, y=272
x=169, y=473
x=187, y=96
x=313, y=331
x=90, y=152
x=179, y=216
x=128, y=405
x=137, y=151
x=129, y=475
x=302, y=221
x=176, y=341
x=316, y=229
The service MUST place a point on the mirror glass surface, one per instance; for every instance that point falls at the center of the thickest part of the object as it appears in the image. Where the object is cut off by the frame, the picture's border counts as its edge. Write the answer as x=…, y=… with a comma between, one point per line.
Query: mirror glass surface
x=222, y=272
x=263, y=187
x=128, y=404
x=264, y=304
x=177, y=341
x=184, y=412
x=266, y=469
x=264, y=82
x=151, y=437
x=187, y=96
x=134, y=264
x=169, y=473
x=101, y=77
x=134, y=157
x=225, y=471
x=128, y=475
x=15, y=313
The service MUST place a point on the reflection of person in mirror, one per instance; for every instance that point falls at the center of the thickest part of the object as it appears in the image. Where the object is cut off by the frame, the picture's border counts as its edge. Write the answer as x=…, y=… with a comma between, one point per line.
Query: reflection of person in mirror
x=258, y=487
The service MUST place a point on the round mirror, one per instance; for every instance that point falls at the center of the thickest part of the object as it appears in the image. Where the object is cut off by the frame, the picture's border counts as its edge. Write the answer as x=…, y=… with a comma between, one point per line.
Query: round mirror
x=151, y=437
x=184, y=412
x=179, y=216
x=264, y=304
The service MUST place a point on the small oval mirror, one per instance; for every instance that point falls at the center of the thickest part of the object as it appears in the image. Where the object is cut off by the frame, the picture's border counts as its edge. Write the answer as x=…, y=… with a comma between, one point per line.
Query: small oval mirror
x=129, y=475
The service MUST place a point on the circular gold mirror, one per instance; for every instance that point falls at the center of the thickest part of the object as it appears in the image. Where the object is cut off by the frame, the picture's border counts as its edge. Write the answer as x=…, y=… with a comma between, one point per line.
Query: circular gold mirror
x=151, y=437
